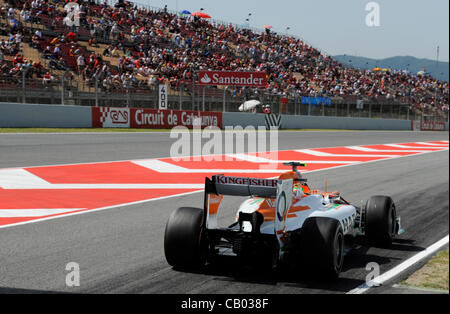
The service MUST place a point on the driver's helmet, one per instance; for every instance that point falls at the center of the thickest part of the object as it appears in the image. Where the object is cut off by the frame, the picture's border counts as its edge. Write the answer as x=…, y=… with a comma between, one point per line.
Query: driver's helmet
x=299, y=188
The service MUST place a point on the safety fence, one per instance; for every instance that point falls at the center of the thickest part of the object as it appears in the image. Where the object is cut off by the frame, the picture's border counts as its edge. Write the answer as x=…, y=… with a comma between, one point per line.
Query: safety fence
x=188, y=96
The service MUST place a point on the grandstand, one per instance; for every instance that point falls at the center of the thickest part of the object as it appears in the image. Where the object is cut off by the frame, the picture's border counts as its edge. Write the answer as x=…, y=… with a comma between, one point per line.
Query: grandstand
x=120, y=53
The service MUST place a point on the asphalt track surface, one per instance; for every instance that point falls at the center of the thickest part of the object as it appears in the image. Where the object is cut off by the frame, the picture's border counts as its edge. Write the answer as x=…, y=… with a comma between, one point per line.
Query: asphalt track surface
x=120, y=250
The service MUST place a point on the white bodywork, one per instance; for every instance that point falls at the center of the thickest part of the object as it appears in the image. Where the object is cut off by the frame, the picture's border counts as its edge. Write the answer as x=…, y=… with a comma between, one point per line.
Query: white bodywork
x=319, y=207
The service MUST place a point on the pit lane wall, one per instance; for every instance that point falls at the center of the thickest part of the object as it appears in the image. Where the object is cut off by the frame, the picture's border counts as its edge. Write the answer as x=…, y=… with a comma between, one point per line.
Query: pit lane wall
x=316, y=122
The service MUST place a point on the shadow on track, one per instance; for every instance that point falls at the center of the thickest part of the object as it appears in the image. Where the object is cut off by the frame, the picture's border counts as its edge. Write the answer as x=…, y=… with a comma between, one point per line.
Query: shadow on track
x=6, y=290
x=230, y=270
x=406, y=245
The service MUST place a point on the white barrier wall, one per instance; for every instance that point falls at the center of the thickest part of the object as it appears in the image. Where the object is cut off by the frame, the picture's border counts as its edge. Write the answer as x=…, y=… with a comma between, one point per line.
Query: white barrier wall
x=314, y=122
x=15, y=115
x=243, y=119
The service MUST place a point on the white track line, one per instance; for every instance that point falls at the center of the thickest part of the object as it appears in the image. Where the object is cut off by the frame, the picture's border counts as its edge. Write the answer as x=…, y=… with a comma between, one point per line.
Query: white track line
x=24, y=186
x=431, y=144
x=255, y=159
x=18, y=177
x=366, y=149
x=99, y=209
x=158, y=165
x=21, y=179
x=165, y=167
x=324, y=154
x=400, y=268
x=41, y=212
x=250, y=158
x=412, y=147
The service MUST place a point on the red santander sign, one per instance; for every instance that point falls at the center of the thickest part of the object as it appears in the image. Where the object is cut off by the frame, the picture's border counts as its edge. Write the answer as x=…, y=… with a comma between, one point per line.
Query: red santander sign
x=249, y=79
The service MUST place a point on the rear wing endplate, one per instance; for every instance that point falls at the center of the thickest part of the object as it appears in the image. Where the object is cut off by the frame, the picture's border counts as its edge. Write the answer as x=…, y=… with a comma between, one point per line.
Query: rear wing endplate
x=278, y=190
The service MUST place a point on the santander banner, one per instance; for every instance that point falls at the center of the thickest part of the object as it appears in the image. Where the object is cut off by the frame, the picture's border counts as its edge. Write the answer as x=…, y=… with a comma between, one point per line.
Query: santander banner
x=152, y=118
x=250, y=79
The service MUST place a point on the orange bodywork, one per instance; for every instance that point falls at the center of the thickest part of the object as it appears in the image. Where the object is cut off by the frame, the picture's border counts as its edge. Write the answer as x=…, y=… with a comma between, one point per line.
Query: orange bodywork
x=267, y=209
x=214, y=203
x=325, y=194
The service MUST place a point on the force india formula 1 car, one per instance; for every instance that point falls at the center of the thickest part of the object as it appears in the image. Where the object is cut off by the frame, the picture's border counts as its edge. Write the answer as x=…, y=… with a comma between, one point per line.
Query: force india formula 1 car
x=282, y=220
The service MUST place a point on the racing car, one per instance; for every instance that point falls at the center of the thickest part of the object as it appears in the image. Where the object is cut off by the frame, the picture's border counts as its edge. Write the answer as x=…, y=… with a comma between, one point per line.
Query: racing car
x=282, y=219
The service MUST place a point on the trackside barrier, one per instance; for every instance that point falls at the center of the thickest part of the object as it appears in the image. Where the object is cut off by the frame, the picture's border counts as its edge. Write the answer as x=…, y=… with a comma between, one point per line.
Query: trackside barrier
x=106, y=117
x=432, y=126
x=315, y=122
x=15, y=115
x=421, y=125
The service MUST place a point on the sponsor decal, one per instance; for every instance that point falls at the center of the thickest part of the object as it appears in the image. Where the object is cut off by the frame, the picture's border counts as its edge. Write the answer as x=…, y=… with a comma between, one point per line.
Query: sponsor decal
x=110, y=117
x=246, y=181
x=315, y=101
x=273, y=121
x=333, y=206
x=153, y=118
x=257, y=201
x=250, y=79
x=432, y=126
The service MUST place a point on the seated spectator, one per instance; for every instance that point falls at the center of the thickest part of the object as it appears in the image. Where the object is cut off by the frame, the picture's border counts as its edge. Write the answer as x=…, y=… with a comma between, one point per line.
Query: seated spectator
x=38, y=68
x=58, y=64
x=92, y=42
x=47, y=78
x=55, y=41
x=56, y=52
x=18, y=59
x=71, y=37
x=115, y=52
x=38, y=33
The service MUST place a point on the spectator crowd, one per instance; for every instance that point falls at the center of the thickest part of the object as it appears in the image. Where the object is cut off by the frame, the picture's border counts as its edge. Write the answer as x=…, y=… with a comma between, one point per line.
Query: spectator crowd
x=126, y=46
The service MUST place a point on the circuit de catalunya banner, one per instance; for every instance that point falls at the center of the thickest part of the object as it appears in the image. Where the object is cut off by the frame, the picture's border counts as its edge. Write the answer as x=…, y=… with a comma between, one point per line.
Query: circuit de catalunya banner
x=224, y=78
x=432, y=126
x=427, y=126
x=136, y=118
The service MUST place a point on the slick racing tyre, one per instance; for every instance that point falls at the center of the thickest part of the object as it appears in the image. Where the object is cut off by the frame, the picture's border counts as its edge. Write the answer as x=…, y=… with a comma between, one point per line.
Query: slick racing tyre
x=380, y=221
x=322, y=247
x=184, y=242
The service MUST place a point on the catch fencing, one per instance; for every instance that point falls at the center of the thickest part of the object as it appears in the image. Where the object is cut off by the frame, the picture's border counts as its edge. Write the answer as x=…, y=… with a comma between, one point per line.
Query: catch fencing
x=188, y=96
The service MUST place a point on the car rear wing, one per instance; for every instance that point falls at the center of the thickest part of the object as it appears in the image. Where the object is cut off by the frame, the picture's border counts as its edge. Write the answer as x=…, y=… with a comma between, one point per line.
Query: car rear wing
x=232, y=186
x=219, y=186
x=278, y=190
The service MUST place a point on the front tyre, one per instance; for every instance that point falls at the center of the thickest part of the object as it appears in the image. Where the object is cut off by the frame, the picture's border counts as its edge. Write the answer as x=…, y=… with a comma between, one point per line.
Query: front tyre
x=380, y=221
x=184, y=240
x=322, y=247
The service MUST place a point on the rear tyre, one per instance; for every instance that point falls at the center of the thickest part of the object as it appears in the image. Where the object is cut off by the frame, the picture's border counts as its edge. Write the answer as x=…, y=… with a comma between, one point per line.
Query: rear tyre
x=322, y=247
x=380, y=221
x=185, y=244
